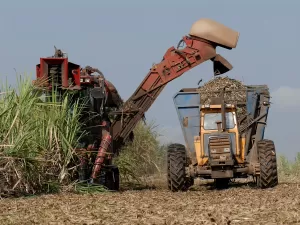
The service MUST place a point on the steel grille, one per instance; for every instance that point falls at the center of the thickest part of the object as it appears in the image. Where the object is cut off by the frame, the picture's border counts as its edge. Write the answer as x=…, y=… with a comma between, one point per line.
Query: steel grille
x=220, y=147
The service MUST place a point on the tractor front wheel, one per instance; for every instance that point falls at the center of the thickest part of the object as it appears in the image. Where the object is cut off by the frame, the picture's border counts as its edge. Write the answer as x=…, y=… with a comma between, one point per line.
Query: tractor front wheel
x=177, y=180
x=268, y=177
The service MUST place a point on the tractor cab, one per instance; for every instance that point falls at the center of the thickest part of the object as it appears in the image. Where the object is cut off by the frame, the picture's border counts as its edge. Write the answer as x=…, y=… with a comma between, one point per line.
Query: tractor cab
x=214, y=120
x=219, y=137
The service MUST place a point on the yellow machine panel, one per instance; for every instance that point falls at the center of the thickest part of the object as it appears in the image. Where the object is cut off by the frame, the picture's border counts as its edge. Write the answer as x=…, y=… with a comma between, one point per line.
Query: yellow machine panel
x=202, y=157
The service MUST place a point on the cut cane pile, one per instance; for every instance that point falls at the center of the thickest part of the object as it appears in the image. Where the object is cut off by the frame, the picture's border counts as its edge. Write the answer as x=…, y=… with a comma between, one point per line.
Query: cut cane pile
x=235, y=92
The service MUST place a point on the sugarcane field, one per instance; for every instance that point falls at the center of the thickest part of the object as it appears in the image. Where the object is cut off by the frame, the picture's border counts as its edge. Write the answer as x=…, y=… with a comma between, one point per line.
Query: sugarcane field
x=113, y=114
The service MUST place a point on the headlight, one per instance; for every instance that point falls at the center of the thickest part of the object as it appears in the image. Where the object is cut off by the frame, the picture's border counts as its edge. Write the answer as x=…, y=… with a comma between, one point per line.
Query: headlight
x=226, y=150
x=81, y=80
x=87, y=80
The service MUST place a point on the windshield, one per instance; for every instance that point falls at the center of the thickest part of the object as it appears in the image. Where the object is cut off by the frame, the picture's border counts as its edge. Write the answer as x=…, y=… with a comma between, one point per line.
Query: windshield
x=210, y=120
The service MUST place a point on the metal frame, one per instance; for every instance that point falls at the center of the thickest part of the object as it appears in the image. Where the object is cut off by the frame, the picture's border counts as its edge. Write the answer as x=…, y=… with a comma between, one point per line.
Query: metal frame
x=42, y=71
x=257, y=106
x=174, y=64
x=178, y=107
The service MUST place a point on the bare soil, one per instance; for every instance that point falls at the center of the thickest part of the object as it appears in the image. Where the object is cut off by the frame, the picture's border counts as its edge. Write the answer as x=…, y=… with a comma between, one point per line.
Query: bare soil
x=239, y=204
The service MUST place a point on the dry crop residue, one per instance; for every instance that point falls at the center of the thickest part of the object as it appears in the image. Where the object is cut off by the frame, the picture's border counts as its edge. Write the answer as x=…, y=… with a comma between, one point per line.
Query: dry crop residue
x=235, y=92
x=236, y=205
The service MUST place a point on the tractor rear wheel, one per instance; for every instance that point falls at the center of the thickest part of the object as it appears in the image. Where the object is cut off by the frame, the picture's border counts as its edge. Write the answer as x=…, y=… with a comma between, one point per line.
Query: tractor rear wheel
x=177, y=180
x=268, y=177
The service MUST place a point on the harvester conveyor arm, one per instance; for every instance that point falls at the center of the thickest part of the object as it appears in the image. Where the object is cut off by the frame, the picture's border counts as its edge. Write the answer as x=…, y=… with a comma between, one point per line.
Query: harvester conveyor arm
x=175, y=62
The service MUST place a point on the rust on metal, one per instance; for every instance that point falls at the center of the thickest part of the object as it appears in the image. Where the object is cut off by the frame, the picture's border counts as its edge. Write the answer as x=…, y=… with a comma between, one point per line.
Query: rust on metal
x=174, y=64
x=103, y=149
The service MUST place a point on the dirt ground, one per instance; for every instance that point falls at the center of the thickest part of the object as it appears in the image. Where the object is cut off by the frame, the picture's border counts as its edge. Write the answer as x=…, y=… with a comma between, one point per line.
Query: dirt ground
x=240, y=204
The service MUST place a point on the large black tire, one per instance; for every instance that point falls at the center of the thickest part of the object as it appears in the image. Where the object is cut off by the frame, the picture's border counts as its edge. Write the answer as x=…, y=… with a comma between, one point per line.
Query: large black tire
x=268, y=177
x=112, y=178
x=177, y=180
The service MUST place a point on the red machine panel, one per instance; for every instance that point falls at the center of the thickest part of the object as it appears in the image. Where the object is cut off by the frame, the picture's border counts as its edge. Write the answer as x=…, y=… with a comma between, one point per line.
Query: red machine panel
x=64, y=73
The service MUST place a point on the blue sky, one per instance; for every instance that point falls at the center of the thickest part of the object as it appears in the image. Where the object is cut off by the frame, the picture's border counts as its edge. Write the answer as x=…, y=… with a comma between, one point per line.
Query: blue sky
x=124, y=38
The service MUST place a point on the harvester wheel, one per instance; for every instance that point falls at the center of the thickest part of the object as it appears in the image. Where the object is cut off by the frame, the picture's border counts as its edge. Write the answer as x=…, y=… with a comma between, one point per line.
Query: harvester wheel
x=268, y=164
x=177, y=180
x=112, y=178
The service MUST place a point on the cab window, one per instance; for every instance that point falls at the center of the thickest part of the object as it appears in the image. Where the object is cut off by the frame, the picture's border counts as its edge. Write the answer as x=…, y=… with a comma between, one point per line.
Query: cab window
x=210, y=120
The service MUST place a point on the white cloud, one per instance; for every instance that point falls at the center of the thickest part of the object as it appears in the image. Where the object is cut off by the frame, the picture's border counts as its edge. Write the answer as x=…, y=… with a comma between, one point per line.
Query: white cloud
x=286, y=98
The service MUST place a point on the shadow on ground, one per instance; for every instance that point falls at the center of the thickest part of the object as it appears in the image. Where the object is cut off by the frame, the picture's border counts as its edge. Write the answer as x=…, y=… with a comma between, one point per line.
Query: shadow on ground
x=160, y=183
x=134, y=186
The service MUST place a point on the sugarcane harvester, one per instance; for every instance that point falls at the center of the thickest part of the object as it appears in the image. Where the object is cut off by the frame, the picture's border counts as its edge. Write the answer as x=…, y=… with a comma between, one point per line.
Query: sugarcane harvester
x=99, y=97
x=200, y=46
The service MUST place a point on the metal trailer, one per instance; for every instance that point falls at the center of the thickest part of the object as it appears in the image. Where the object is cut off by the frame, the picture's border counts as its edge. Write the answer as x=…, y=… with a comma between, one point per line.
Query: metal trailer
x=250, y=154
